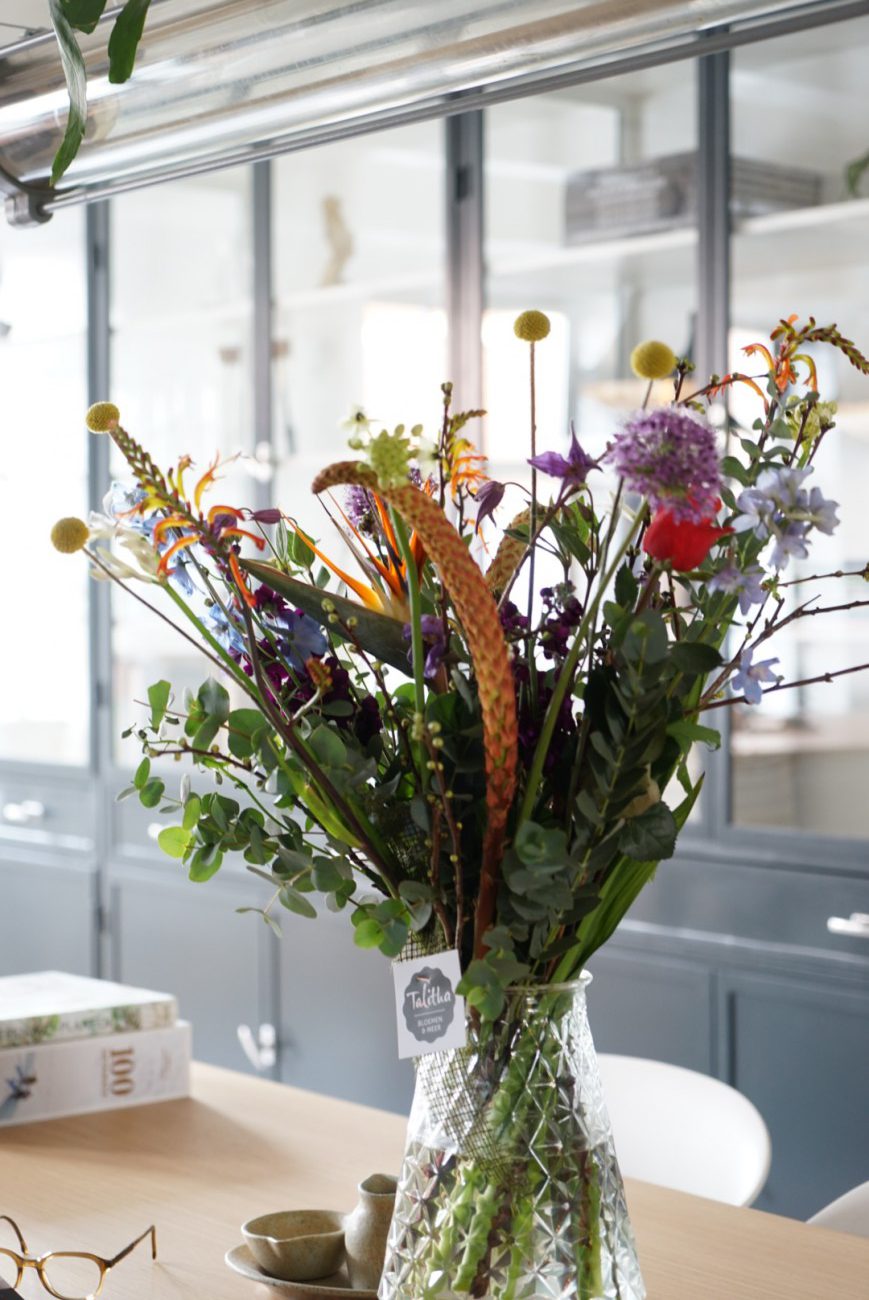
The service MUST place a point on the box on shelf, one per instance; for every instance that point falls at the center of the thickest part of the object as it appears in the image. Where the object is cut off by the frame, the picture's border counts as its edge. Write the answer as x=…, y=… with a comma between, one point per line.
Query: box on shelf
x=52, y=1006
x=604, y=202
x=55, y=1079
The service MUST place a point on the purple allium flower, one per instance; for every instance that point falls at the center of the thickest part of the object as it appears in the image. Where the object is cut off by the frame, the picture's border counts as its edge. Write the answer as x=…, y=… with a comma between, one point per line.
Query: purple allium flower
x=488, y=498
x=670, y=456
x=746, y=585
x=571, y=469
x=747, y=680
x=360, y=510
x=433, y=637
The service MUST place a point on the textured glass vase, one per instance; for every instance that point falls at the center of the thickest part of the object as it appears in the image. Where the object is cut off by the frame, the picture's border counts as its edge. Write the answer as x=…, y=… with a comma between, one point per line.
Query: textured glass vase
x=510, y=1189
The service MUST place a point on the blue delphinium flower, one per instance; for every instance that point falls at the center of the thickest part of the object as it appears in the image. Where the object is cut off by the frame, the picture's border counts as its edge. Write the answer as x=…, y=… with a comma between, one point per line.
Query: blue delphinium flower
x=299, y=636
x=747, y=585
x=747, y=680
x=778, y=506
x=227, y=633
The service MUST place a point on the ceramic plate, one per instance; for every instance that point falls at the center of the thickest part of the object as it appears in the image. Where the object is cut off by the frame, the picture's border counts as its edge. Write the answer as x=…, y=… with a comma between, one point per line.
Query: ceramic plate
x=326, y=1288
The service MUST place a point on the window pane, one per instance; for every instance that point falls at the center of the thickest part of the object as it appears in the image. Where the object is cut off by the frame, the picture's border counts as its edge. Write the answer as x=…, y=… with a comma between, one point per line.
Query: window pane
x=43, y=476
x=181, y=375
x=800, y=107
x=590, y=217
x=359, y=298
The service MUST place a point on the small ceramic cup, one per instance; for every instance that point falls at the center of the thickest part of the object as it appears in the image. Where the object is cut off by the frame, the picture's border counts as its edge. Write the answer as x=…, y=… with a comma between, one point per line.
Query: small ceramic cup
x=296, y=1245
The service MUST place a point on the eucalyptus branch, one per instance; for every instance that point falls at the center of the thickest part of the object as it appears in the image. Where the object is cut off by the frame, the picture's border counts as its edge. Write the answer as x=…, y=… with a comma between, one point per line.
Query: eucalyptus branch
x=836, y=573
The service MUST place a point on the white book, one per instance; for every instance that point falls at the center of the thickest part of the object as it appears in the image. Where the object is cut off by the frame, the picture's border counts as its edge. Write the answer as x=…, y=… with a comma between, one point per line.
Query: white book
x=72, y=1078
x=51, y=1006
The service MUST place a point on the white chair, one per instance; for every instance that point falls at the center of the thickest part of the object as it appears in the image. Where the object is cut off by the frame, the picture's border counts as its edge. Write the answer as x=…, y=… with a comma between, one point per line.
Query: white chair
x=681, y=1129
x=850, y=1213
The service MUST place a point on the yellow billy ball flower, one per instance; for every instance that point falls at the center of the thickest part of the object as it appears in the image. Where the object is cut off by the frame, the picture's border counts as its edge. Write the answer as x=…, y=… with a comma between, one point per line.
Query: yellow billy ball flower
x=653, y=360
x=531, y=326
x=69, y=535
x=103, y=417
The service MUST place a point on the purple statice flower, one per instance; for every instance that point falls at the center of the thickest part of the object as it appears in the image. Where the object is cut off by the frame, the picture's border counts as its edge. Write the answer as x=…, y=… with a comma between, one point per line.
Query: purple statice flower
x=747, y=680
x=563, y=616
x=514, y=623
x=488, y=498
x=747, y=585
x=435, y=640
x=359, y=508
x=572, y=469
x=670, y=456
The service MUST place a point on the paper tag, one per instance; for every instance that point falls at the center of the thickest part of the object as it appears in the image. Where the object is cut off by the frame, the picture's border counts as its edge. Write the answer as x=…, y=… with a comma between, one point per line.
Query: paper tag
x=430, y=1014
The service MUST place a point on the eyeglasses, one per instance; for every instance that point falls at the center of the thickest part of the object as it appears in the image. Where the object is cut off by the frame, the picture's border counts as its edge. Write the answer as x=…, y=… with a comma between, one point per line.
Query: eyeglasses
x=68, y=1274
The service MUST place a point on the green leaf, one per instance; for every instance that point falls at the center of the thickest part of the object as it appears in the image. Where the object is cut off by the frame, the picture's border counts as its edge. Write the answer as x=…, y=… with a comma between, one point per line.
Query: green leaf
x=368, y=933
x=205, y=863
x=143, y=771
x=686, y=733
x=247, y=729
x=627, y=587
x=83, y=15
x=151, y=792
x=293, y=901
x=300, y=552
x=76, y=85
x=378, y=634
x=192, y=810
x=328, y=747
x=694, y=657
x=124, y=40
x=175, y=841
x=651, y=836
x=158, y=698
x=214, y=699
x=646, y=638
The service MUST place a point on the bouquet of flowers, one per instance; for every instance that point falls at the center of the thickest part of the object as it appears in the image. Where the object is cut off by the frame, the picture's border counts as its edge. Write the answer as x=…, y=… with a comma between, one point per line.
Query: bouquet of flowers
x=454, y=757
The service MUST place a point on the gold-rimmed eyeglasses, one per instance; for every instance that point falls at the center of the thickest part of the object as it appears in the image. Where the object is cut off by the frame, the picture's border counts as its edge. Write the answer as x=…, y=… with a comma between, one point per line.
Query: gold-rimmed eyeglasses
x=67, y=1274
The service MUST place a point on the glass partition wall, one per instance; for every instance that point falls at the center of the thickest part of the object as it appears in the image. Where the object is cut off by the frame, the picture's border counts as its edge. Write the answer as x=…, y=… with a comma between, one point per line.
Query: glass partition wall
x=248, y=315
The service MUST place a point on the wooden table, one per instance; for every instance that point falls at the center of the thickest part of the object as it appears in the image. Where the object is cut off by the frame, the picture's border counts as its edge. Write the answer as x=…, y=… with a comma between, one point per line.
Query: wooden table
x=243, y=1146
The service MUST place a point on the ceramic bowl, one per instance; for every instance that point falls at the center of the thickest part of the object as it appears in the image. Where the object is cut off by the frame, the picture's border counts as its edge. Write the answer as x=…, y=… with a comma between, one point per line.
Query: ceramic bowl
x=297, y=1245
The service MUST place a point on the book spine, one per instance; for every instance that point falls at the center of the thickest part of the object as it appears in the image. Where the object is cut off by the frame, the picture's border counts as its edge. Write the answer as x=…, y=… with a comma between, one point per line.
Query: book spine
x=122, y=1019
x=57, y=1079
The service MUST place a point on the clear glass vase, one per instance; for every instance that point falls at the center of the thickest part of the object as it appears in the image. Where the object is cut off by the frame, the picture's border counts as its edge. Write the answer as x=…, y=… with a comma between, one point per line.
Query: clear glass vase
x=510, y=1188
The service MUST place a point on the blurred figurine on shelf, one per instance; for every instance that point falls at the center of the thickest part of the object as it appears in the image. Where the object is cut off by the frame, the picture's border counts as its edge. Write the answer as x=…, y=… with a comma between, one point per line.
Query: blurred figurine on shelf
x=339, y=239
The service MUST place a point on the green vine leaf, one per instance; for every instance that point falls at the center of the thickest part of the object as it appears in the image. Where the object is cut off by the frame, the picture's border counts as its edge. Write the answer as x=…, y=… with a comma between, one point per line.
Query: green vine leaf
x=124, y=40
x=76, y=85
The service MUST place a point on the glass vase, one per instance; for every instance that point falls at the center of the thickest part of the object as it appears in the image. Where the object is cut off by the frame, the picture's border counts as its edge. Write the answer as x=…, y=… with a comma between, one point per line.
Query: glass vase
x=510, y=1188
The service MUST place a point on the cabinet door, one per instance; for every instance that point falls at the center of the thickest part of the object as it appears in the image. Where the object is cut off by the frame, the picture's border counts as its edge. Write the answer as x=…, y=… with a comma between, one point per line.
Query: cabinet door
x=653, y=1006
x=337, y=1020
x=187, y=939
x=800, y=1050
x=48, y=920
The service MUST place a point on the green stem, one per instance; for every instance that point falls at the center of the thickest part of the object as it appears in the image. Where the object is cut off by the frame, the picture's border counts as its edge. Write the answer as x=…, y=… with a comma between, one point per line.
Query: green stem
x=416, y=638
x=565, y=677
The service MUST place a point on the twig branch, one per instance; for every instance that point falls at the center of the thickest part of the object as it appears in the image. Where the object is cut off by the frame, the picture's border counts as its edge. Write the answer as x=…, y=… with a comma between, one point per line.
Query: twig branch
x=786, y=686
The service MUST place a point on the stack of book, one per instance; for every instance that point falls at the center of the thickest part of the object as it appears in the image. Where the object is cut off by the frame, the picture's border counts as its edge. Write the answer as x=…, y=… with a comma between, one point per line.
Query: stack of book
x=69, y=1045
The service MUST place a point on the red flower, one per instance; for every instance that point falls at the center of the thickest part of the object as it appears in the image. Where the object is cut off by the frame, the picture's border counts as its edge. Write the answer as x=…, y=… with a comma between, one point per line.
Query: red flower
x=684, y=543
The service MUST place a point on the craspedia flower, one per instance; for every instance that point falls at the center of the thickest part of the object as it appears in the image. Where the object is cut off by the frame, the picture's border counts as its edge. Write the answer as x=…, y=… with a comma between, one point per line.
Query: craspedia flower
x=531, y=326
x=69, y=535
x=653, y=360
x=670, y=456
x=103, y=417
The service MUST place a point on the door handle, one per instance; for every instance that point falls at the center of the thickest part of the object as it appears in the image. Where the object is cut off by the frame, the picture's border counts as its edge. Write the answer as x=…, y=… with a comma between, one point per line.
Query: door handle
x=260, y=1048
x=856, y=925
